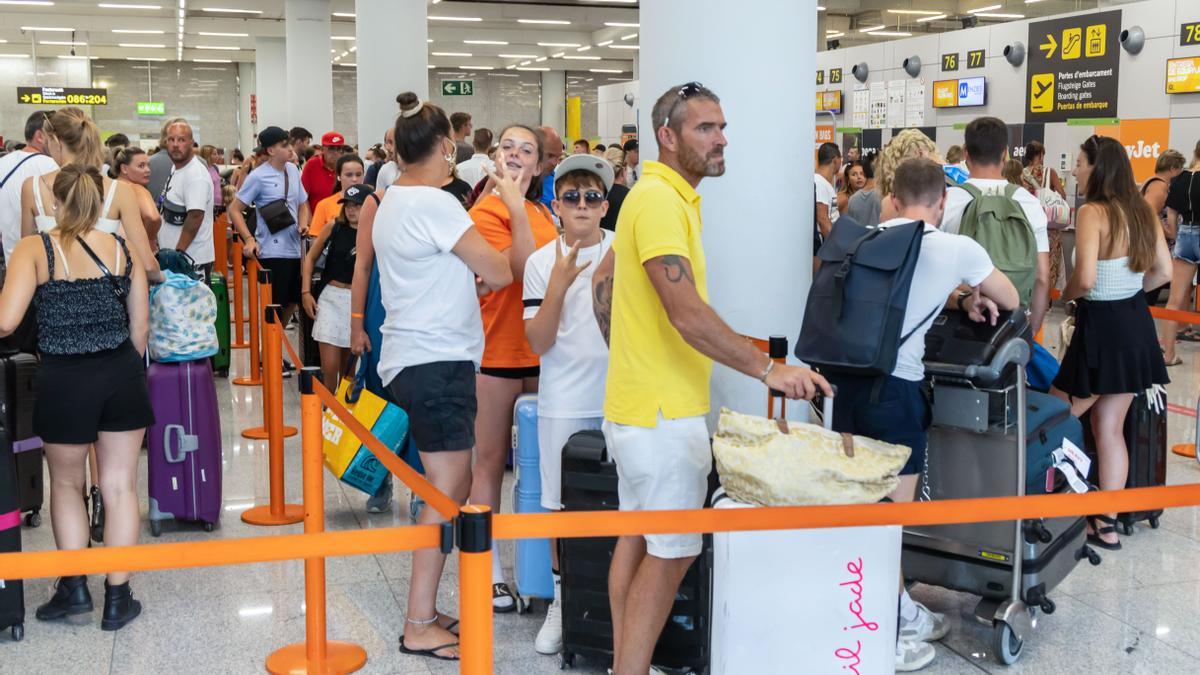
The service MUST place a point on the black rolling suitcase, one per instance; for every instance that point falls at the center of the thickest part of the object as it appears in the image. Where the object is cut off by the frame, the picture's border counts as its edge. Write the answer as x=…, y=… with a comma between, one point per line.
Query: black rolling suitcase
x=589, y=483
x=19, y=380
x=1146, y=441
x=12, y=592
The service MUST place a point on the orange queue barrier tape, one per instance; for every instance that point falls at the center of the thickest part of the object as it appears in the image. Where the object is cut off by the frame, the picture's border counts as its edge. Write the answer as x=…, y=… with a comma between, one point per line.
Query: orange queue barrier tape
x=246, y=550
x=276, y=511
x=217, y=552
x=317, y=654
x=415, y=481
x=1176, y=315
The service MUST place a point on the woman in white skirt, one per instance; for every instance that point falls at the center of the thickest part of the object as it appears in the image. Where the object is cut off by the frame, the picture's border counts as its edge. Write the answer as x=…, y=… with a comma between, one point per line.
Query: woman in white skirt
x=331, y=316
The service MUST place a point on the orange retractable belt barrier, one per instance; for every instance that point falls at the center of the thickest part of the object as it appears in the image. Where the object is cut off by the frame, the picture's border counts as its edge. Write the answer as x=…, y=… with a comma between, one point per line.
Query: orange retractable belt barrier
x=254, y=377
x=276, y=512
x=239, y=309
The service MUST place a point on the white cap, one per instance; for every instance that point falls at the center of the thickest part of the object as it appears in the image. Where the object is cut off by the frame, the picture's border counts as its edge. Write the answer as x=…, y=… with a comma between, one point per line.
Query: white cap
x=590, y=163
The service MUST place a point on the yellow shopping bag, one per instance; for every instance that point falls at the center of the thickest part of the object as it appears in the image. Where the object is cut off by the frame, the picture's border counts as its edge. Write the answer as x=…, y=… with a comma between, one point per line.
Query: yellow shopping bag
x=345, y=455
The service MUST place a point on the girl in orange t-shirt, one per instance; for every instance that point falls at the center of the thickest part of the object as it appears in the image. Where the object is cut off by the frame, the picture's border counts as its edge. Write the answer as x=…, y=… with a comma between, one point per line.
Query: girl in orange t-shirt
x=516, y=225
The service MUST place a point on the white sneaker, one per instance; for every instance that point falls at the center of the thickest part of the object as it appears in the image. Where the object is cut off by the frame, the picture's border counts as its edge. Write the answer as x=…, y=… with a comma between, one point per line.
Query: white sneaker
x=912, y=656
x=550, y=637
x=927, y=627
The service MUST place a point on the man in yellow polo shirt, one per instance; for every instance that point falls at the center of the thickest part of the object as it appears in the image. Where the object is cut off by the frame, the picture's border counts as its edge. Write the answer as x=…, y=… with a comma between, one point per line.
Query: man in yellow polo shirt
x=651, y=290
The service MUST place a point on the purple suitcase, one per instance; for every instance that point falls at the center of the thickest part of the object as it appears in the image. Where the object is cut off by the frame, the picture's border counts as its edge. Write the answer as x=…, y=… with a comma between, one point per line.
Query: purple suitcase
x=185, y=444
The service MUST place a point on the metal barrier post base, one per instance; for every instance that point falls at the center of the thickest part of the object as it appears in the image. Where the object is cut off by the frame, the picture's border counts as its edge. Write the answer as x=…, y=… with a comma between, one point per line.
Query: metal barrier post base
x=340, y=657
x=260, y=434
x=1184, y=449
x=248, y=381
x=261, y=515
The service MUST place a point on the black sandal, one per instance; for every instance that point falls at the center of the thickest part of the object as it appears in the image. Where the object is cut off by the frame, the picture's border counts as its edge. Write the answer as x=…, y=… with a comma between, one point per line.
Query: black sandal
x=431, y=652
x=1109, y=526
x=501, y=590
x=1187, y=335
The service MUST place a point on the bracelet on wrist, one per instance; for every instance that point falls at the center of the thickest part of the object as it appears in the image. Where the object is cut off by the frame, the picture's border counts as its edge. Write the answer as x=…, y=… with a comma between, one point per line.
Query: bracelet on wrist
x=767, y=371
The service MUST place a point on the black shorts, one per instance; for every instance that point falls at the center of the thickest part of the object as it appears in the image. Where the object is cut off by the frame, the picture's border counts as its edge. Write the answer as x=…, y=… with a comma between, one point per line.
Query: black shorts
x=285, y=279
x=885, y=408
x=512, y=373
x=440, y=401
x=78, y=396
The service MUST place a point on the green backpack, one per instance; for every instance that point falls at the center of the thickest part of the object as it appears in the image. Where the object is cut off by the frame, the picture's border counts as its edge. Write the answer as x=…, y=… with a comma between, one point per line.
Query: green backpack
x=999, y=224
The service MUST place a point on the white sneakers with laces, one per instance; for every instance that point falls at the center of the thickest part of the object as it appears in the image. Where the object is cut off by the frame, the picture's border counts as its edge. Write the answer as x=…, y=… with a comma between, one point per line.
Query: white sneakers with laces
x=913, y=651
x=550, y=637
x=912, y=656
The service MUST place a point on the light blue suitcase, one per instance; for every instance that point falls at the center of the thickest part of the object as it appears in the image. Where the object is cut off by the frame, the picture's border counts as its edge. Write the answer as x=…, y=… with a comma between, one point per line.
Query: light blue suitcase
x=531, y=566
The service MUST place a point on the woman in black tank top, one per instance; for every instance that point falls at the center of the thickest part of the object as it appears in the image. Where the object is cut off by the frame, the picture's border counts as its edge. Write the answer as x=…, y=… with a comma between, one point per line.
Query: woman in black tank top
x=331, y=315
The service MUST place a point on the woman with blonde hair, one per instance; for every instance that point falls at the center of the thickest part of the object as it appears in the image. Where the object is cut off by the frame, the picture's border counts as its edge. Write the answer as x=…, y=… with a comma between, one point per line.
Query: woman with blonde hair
x=93, y=324
x=904, y=145
x=73, y=138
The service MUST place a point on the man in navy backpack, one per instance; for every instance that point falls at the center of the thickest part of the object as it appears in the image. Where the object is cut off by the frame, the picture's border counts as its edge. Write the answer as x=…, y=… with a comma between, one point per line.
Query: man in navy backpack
x=895, y=408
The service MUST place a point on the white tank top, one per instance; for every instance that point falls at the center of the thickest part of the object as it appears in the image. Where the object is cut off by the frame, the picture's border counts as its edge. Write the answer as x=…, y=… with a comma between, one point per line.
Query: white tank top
x=46, y=222
x=1115, y=281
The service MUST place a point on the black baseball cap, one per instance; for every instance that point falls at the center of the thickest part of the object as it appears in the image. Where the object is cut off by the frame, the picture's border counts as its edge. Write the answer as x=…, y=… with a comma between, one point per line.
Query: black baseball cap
x=271, y=136
x=630, y=145
x=355, y=194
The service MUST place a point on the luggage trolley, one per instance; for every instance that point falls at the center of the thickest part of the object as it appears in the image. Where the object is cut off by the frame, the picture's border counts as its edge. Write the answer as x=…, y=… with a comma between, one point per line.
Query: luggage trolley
x=979, y=426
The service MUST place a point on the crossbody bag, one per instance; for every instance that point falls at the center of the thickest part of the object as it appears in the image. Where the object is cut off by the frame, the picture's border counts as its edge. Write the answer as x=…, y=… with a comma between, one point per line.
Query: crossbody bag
x=276, y=214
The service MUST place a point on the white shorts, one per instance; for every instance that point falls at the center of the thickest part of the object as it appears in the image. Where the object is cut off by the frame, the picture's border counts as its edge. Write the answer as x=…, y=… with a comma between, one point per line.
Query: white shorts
x=553, y=433
x=662, y=469
x=332, y=325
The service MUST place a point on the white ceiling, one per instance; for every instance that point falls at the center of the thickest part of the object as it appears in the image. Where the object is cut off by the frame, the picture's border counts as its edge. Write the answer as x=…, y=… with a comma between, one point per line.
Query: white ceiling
x=102, y=32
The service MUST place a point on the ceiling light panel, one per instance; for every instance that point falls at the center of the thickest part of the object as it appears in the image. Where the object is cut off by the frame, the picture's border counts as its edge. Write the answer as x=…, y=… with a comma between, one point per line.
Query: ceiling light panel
x=546, y=22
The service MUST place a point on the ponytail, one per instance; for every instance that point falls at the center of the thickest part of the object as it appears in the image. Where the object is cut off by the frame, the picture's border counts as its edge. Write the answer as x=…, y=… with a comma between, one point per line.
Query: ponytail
x=79, y=190
x=73, y=128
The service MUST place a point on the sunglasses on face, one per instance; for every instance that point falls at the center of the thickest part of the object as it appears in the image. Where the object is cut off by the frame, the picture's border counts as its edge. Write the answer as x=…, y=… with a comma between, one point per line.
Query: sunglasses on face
x=572, y=198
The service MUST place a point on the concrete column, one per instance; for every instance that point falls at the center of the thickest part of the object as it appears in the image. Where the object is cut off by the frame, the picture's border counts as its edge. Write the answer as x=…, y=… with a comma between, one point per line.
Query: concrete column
x=309, y=71
x=759, y=251
x=247, y=129
x=554, y=100
x=392, y=57
x=270, y=83
x=821, y=24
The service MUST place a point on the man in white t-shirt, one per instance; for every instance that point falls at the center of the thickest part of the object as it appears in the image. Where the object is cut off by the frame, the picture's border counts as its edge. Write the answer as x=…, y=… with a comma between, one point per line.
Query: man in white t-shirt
x=895, y=408
x=562, y=330
x=986, y=148
x=188, y=205
x=475, y=169
x=15, y=167
x=829, y=158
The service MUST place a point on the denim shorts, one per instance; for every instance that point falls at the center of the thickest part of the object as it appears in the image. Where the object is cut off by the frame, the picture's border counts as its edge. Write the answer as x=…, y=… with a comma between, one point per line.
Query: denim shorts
x=1187, y=243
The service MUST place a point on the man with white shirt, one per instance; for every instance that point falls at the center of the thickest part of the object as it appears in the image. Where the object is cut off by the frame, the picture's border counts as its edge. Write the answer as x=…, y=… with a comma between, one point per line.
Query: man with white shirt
x=15, y=167
x=474, y=170
x=896, y=408
x=187, y=206
x=829, y=160
x=985, y=149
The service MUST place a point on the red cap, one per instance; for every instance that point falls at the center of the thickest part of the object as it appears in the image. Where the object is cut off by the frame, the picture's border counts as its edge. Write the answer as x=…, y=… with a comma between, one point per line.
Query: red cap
x=333, y=138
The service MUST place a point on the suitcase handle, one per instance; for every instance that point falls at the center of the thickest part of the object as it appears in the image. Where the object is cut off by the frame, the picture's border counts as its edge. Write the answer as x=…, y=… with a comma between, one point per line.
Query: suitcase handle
x=176, y=452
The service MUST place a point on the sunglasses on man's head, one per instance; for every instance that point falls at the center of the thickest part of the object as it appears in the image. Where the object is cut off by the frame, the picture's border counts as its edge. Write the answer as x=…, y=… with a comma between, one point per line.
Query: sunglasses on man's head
x=591, y=197
x=685, y=92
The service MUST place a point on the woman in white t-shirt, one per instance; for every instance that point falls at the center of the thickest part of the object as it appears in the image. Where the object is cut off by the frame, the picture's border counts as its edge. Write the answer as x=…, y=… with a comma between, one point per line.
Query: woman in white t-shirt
x=433, y=264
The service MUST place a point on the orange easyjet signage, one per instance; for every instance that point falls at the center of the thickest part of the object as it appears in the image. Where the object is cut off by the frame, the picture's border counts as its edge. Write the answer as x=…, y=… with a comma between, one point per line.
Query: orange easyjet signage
x=1144, y=140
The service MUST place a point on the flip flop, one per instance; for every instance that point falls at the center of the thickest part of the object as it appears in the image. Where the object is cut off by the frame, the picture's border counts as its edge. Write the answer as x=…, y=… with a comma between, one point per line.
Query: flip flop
x=451, y=626
x=1094, y=538
x=1187, y=336
x=431, y=652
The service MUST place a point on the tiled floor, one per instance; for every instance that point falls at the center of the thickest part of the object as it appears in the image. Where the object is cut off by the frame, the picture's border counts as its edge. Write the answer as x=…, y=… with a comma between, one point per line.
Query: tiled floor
x=1133, y=614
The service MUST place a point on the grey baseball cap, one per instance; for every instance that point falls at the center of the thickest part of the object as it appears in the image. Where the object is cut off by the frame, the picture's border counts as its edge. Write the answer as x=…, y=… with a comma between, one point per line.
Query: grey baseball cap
x=590, y=163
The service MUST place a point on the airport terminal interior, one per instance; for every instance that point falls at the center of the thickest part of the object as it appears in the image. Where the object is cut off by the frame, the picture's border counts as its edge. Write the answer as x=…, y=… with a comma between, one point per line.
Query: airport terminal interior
x=633, y=100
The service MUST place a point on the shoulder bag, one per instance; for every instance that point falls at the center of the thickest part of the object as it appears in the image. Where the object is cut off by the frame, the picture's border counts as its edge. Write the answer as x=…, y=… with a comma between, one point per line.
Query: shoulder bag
x=276, y=214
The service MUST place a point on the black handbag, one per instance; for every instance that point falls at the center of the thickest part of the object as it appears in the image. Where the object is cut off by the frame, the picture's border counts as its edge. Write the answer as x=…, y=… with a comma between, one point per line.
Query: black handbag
x=172, y=213
x=276, y=214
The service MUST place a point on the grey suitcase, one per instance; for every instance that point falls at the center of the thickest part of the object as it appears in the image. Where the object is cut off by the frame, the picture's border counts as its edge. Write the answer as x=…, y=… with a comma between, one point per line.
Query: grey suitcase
x=977, y=448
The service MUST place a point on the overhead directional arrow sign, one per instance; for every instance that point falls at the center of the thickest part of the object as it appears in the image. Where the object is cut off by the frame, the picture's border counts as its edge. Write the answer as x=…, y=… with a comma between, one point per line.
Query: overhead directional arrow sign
x=458, y=87
x=1050, y=46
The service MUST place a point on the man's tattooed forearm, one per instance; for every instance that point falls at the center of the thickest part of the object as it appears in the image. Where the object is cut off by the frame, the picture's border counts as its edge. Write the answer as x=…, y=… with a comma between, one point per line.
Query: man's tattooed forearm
x=677, y=269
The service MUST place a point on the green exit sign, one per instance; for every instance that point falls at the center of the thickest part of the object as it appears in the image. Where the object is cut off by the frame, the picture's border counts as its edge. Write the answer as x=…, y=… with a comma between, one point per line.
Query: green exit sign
x=151, y=108
x=458, y=87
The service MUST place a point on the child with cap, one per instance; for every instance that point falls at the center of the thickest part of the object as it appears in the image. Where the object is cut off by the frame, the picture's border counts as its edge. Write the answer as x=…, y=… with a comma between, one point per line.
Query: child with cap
x=561, y=329
x=331, y=326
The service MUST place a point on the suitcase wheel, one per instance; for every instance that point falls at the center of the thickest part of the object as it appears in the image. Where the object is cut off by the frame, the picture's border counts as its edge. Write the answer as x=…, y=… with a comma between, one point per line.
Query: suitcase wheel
x=567, y=661
x=1154, y=522
x=1126, y=528
x=1005, y=645
x=34, y=519
x=156, y=528
x=523, y=605
x=208, y=527
x=18, y=632
x=1092, y=556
